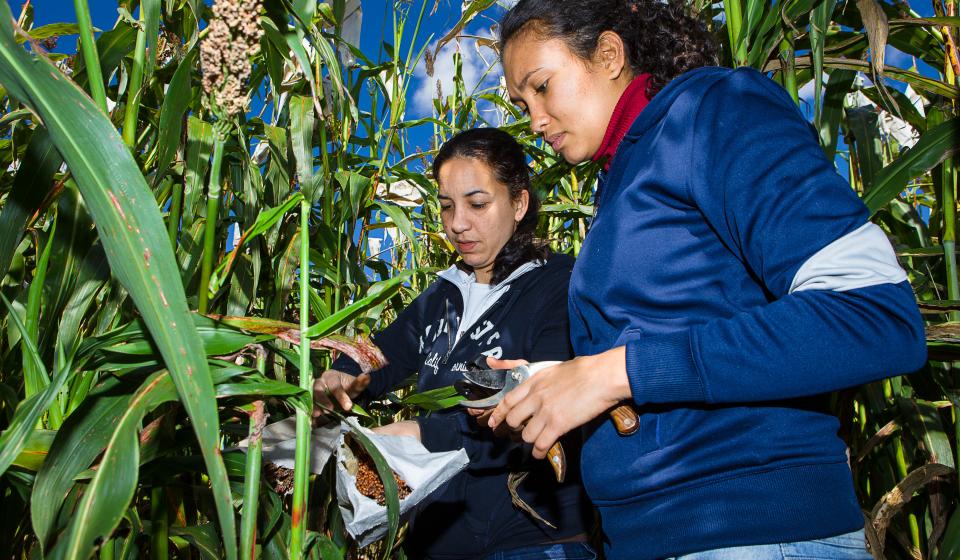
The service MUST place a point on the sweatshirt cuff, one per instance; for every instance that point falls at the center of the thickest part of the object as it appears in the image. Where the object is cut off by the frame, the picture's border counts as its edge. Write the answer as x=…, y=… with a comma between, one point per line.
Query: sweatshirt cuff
x=439, y=433
x=661, y=369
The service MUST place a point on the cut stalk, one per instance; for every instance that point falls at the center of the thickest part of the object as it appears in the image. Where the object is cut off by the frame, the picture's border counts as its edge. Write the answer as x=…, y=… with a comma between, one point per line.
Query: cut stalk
x=88, y=46
x=133, y=88
x=301, y=467
x=251, y=483
x=210, y=227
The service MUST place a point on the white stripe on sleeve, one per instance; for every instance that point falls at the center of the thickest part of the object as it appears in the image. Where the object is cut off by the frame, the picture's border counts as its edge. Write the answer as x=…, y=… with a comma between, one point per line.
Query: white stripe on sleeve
x=859, y=259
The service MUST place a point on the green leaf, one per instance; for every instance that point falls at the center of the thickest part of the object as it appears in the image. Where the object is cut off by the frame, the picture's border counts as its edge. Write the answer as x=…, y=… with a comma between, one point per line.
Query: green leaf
x=927, y=427
x=836, y=90
x=81, y=438
x=132, y=233
x=35, y=451
x=112, y=46
x=34, y=179
x=434, y=399
x=301, y=137
x=265, y=221
x=378, y=292
x=399, y=218
x=390, y=491
x=176, y=100
x=15, y=437
x=151, y=9
x=935, y=145
x=52, y=30
x=950, y=544
x=109, y=493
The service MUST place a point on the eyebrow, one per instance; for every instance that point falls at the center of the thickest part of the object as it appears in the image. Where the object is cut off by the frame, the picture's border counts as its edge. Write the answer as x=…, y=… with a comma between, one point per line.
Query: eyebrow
x=468, y=195
x=523, y=83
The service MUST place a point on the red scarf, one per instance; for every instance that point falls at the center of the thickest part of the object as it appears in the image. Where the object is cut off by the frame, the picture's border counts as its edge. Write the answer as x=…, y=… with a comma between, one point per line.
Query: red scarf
x=633, y=100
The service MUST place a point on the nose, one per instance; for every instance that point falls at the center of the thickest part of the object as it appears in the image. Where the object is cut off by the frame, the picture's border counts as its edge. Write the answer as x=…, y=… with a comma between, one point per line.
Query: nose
x=538, y=120
x=459, y=222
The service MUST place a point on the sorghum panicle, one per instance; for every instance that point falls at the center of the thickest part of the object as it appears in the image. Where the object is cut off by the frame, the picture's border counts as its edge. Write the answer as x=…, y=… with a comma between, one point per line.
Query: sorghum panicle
x=232, y=40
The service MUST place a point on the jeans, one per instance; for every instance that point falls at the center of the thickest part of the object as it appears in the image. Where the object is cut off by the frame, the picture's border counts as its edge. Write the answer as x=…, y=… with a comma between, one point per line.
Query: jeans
x=555, y=551
x=851, y=546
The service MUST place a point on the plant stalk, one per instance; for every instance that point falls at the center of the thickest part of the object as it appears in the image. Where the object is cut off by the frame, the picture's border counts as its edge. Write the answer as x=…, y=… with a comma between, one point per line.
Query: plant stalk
x=88, y=46
x=301, y=472
x=160, y=525
x=251, y=483
x=133, y=88
x=210, y=227
x=788, y=56
x=734, y=14
x=176, y=207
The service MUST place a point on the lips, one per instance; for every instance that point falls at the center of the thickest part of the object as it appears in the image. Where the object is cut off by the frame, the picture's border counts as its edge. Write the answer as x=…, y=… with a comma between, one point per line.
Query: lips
x=556, y=141
x=466, y=246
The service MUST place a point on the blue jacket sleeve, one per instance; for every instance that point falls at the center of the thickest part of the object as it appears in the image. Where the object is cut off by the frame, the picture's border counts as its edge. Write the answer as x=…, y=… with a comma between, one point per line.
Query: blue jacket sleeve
x=761, y=181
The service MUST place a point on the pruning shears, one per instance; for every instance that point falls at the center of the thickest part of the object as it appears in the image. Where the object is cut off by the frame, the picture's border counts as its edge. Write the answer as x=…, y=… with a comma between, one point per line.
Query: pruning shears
x=485, y=388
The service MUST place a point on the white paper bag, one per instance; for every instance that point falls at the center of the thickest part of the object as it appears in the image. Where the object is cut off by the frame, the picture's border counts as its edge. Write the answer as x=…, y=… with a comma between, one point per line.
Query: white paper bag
x=423, y=471
x=365, y=520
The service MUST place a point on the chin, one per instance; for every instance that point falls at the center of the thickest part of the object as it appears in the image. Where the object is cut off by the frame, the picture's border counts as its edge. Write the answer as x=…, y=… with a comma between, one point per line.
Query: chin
x=574, y=159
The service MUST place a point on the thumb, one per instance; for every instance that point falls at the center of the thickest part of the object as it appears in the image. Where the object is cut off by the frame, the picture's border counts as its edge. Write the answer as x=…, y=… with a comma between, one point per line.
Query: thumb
x=504, y=364
x=361, y=382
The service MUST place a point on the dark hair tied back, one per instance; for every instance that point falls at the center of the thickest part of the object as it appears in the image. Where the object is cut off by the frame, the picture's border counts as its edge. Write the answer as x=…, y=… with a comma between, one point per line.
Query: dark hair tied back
x=503, y=155
x=660, y=38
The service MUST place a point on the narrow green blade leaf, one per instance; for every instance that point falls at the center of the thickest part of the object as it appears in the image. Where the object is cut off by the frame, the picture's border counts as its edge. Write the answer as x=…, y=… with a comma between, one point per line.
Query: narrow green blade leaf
x=132, y=233
x=175, y=104
x=931, y=149
x=33, y=181
x=107, y=496
x=15, y=437
x=334, y=322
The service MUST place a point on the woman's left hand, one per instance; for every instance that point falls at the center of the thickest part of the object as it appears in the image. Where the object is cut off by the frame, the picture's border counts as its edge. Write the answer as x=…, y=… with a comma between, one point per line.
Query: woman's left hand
x=403, y=428
x=563, y=397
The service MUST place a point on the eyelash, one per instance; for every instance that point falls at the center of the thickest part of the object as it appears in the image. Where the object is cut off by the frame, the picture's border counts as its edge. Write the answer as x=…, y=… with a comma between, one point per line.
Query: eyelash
x=540, y=90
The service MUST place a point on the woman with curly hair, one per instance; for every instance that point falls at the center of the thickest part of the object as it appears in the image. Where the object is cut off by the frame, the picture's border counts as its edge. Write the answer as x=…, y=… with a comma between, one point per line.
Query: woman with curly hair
x=729, y=282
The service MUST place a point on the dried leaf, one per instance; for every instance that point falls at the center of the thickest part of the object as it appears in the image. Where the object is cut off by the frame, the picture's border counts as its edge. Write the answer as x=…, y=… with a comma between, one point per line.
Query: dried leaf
x=877, y=27
x=893, y=501
x=514, y=480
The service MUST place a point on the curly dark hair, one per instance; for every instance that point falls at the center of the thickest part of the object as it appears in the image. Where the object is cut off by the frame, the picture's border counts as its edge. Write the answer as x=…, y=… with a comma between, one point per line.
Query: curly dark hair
x=660, y=39
x=501, y=153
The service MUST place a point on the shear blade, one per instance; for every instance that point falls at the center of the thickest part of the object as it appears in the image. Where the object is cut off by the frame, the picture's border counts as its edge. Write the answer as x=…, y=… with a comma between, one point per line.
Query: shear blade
x=487, y=378
x=489, y=402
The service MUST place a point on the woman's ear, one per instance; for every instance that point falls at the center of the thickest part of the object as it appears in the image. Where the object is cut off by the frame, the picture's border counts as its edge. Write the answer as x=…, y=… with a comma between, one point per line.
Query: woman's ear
x=520, y=205
x=610, y=55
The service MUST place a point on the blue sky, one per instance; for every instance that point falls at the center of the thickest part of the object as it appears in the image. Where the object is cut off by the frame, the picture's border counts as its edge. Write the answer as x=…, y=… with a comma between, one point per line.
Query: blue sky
x=376, y=24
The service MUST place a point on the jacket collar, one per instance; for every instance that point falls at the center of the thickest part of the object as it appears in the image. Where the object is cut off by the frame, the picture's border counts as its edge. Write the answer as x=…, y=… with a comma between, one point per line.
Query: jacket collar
x=462, y=280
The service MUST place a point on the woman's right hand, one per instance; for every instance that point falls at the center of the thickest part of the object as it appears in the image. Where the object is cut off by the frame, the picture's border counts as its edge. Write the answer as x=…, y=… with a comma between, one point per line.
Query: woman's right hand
x=336, y=386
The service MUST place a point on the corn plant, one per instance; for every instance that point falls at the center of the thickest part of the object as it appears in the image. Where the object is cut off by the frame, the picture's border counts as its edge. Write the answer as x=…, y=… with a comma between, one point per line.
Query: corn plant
x=186, y=231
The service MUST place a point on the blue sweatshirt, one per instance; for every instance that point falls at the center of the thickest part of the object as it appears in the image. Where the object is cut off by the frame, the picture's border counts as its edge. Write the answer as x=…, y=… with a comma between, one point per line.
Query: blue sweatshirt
x=741, y=274
x=472, y=515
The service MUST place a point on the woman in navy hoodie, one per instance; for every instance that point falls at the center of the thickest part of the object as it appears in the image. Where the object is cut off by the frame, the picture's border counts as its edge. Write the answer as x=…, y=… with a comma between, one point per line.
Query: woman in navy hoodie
x=729, y=281
x=506, y=297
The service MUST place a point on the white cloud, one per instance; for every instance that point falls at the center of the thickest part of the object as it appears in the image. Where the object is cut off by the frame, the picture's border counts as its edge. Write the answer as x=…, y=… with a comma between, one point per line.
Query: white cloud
x=475, y=61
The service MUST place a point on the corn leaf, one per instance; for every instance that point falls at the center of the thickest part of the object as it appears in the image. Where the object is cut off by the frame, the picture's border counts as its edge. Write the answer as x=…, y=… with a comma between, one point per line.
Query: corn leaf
x=938, y=143
x=132, y=234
